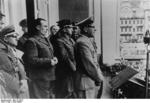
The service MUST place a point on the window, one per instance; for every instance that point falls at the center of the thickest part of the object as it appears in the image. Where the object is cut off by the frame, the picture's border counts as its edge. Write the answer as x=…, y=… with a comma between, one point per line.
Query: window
x=141, y=29
x=131, y=46
x=125, y=29
x=133, y=29
x=137, y=21
x=141, y=21
x=129, y=29
x=121, y=29
x=126, y=22
x=133, y=21
x=121, y=21
x=129, y=21
x=137, y=28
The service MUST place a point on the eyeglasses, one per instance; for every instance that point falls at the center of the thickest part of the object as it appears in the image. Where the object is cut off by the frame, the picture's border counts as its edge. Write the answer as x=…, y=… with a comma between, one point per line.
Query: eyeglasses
x=91, y=26
x=12, y=35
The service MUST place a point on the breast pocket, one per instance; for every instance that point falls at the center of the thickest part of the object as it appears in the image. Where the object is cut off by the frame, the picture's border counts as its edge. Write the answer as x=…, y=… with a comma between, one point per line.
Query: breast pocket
x=92, y=51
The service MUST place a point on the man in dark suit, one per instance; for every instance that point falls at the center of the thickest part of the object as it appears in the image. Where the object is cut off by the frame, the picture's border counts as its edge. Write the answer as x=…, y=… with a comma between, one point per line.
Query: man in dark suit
x=64, y=50
x=41, y=62
x=88, y=74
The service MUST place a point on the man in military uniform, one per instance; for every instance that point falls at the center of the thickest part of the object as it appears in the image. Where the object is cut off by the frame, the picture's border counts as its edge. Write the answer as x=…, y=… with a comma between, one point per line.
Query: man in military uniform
x=41, y=62
x=66, y=66
x=76, y=33
x=13, y=83
x=88, y=74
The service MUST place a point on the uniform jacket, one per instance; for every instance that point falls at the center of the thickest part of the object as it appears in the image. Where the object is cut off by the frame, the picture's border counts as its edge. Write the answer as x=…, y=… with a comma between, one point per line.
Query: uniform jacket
x=67, y=65
x=11, y=71
x=88, y=71
x=38, y=55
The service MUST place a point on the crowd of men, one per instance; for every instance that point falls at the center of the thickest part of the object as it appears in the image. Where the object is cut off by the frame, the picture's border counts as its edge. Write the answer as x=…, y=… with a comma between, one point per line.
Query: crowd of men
x=62, y=64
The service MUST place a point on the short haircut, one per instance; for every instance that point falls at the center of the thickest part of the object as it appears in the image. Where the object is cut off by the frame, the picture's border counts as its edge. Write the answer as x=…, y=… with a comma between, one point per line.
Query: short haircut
x=38, y=21
x=52, y=27
x=23, y=23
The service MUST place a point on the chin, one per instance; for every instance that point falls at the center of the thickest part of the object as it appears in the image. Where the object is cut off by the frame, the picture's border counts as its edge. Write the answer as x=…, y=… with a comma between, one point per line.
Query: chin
x=15, y=44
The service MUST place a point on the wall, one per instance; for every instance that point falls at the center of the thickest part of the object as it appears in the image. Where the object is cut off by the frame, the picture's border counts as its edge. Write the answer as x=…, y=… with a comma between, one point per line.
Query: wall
x=109, y=13
x=53, y=12
x=47, y=9
x=15, y=11
x=97, y=18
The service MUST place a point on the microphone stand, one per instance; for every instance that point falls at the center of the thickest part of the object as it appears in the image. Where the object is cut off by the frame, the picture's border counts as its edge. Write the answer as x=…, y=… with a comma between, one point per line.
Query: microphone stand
x=147, y=74
x=147, y=41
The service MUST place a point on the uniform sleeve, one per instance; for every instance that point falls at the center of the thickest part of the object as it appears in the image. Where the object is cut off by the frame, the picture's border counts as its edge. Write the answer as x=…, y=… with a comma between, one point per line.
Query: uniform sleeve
x=63, y=55
x=32, y=55
x=88, y=63
x=22, y=73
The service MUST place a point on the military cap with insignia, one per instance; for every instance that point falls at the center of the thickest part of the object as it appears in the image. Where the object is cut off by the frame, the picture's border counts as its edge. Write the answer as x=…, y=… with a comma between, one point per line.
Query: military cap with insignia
x=6, y=30
x=86, y=22
x=64, y=22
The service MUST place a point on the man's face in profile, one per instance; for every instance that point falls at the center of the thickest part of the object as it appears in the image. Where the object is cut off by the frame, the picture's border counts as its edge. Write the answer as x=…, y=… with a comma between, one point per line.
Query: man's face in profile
x=76, y=30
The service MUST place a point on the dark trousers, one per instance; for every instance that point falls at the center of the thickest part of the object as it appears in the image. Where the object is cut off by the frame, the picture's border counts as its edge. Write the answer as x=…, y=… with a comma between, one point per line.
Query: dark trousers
x=90, y=93
x=42, y=89
x=65, y=88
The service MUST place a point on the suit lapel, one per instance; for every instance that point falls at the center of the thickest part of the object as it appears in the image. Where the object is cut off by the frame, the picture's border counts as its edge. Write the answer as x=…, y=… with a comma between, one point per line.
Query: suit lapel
x=42, y=40
x=45, y=41
x=50, y=45
x=67, y=42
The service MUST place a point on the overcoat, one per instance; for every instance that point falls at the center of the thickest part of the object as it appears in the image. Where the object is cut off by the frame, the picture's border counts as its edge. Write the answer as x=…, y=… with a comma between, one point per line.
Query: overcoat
x=11, y=72
x=64, y=50
x=88, y=71
x=38, y=55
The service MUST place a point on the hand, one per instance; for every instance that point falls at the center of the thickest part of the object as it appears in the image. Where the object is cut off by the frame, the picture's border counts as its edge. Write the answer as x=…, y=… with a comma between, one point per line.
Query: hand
x=23, y=86
x=55, y=60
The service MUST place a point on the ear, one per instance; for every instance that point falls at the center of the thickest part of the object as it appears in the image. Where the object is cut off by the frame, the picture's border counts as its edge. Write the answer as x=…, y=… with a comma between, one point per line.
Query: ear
x=64, y=30
x=38, y=27
x=5, y=39
x=85, y=29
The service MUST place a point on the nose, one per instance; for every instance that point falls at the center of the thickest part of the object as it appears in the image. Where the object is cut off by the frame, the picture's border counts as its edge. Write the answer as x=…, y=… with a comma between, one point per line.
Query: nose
x=17, y=36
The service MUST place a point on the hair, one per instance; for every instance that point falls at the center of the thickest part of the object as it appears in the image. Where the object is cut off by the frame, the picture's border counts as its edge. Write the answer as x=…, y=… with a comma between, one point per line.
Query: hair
x=52, y=27
x=23, y=23
x=38, y=21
